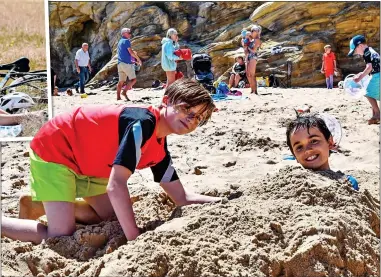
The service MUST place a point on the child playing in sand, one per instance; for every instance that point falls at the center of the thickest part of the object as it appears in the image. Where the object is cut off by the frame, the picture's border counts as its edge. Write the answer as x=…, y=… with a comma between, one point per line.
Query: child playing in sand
x=358, y=46
x=92, y=152
x=310, y=141
x=328, y=66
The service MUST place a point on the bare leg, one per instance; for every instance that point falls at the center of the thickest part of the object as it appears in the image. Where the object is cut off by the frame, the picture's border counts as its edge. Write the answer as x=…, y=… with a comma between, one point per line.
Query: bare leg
x=129, y=86
x=59, y=224
x=375, y=108
x=236, y=80
x=248, y=74
x=251, y=76
x=30, y=209
x=253, y=66
x=101, y=205
x=231, y=80
x=118, y=89
x=171, y=77
x=91, y=211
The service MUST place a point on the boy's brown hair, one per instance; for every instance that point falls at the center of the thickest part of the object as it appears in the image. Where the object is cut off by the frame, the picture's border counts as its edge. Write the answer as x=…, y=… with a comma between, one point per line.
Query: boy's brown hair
x=187, y=91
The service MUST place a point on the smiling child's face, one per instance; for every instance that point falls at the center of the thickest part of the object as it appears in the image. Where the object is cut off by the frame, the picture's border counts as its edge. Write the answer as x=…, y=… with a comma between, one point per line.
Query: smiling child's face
x=182, y=119
x=310, y=148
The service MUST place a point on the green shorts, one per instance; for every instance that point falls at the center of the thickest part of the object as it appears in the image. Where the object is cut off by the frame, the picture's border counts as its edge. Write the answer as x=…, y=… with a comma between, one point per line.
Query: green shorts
x=56, y=182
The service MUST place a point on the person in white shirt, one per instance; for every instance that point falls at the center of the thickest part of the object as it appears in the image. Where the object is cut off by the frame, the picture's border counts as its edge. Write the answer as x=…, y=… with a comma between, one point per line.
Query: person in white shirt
x=82, y=64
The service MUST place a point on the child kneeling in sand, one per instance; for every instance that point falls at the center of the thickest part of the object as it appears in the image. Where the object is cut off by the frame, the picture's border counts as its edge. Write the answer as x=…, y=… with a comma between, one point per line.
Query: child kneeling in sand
x=92, y=152
x=310, y=141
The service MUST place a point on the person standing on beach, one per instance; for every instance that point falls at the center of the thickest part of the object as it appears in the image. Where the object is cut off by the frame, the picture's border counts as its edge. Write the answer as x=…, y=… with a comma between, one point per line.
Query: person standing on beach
x=358, y=46
x=126, y=66
x=251, y=49
x=168, y=57
x=83, y=66
x=328, y=66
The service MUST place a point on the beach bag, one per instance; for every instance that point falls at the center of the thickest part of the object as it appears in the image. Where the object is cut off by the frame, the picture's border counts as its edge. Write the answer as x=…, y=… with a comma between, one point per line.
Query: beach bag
x=235, y=93
x=223, y=88
x=186, y=54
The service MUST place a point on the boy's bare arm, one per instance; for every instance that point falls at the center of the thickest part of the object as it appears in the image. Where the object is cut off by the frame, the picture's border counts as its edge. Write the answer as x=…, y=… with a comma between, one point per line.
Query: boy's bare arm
x=182, y=196
x=117, y=191
x=366, y=71
x=322, y=65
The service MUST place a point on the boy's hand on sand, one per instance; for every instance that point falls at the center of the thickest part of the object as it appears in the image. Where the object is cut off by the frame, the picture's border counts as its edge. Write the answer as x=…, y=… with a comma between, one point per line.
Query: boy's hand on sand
x=224, y=200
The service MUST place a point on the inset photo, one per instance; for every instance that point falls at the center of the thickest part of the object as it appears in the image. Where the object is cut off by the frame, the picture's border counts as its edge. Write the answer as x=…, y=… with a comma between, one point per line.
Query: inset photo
x=23, y=74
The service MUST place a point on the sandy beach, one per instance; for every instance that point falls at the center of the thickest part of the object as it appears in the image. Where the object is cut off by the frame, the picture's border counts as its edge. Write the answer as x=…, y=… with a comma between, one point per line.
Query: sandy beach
x=280, y=220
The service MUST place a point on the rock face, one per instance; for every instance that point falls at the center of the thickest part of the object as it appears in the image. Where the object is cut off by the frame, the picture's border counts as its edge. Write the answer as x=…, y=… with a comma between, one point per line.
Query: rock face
x=213, y=27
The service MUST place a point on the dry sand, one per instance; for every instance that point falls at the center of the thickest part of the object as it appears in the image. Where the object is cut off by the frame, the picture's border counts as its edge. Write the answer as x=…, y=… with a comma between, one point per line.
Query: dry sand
x=281, y=220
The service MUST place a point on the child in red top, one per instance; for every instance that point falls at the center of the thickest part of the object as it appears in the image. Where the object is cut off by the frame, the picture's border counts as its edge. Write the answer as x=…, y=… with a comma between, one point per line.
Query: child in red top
x=328, y=66
x=91, y=153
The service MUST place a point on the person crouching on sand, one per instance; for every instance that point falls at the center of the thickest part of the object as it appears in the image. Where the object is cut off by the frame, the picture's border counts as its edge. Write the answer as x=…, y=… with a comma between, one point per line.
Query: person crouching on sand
x=91, y=153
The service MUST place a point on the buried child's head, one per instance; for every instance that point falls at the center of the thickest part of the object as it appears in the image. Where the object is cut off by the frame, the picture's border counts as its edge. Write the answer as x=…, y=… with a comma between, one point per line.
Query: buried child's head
x=310, y=140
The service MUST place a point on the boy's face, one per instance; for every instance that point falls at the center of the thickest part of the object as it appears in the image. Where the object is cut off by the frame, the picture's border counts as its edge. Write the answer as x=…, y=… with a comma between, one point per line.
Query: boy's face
x=182, y=119
x=359, y=50
x=328, y=50
x=310, y=148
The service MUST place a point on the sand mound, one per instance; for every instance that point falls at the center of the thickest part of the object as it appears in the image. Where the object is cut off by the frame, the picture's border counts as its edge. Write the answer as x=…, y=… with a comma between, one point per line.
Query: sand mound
x=293, y=223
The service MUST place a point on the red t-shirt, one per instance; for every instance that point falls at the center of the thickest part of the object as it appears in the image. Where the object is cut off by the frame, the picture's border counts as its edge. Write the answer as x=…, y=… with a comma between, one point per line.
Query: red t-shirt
x=329, y=65
x=90, y=139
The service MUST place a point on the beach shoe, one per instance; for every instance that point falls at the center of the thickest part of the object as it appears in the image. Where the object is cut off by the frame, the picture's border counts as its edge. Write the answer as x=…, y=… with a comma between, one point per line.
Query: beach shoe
x=373, y=121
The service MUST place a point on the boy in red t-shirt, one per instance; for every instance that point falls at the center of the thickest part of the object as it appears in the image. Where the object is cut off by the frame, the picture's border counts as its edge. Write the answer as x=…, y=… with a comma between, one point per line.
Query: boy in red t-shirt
x=328, y=66
x=91, y=153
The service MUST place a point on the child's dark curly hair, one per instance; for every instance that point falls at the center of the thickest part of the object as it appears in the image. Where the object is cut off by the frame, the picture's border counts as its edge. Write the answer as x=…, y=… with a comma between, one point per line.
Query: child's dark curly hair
x=307, y=121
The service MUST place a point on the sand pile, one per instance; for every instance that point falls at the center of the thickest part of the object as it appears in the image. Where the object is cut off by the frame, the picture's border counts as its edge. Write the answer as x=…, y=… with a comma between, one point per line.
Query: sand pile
x=293, y=223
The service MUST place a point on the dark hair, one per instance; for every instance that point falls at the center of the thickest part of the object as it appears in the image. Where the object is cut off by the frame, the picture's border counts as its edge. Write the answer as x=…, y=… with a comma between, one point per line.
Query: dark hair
x=192, y=93
x=307, y=121
x=239, y=57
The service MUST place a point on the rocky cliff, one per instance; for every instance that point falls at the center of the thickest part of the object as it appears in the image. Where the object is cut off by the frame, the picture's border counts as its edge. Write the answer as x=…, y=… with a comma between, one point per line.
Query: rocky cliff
x=214, y=27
